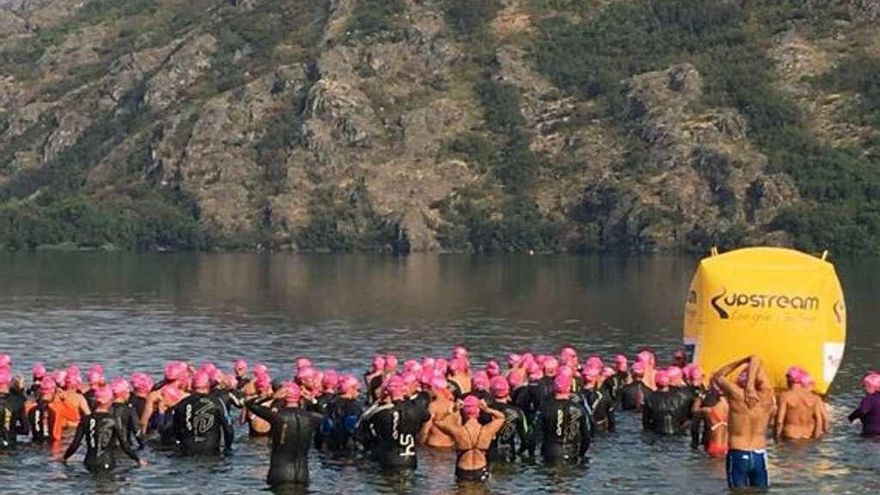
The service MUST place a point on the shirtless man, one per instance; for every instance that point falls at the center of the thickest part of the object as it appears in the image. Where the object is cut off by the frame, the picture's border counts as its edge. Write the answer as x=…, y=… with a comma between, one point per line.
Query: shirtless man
x=441, y=403
x=751, y=405
x=472, y=439
x=800, y=413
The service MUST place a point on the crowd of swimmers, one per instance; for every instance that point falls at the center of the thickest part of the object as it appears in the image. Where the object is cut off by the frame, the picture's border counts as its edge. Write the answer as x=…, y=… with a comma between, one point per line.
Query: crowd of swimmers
x=536, y=407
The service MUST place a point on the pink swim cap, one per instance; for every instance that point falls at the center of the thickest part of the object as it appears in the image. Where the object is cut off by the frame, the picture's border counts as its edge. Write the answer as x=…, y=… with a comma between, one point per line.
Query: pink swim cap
x=103, y=396
x=171, y=394
x=409, y=379
x=349, y=384
x=378, y=363
x=480, y=380
x=96, y=377
x=562, y=384
x=550, y=364
x=47, y=386
x=646, y=357
x=527, y=358
x=594, y=362
x=306, y=375
x=428, y=362
x=96, y=368
x=795, y=375
x=261, y=369
x=515, y=379
x=390, y=362
x=72, y=380
x=438, y=383
x=303, y=363
x=620, y=363
x=395, y=388
x=141, y=382
x=458, y=365
x=591, y=375
x=534, y=371
x=607, y=372
x=240, y=365
x=293, y=394
x=493, y=369
x=674, y=373
x=201, y=381
x=696, y=374
x=263, y=384
x=59, y=377
x=120, y=387
x=175, y=370
x=5, y=361
x=38, y=371
x=330, y=380
x=638, y=369
x=662, y=378
x=470, y=406
x=567, y=353
x=208, y=368
x=871, y=382
x=411, y=364
x=441, y=365
x=5, y=377
x=499, y=387
x=460, y=352
x=513, y=359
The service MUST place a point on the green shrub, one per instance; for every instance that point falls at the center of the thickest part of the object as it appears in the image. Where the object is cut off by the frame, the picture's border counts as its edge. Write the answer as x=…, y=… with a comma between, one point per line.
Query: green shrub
x=375, y=17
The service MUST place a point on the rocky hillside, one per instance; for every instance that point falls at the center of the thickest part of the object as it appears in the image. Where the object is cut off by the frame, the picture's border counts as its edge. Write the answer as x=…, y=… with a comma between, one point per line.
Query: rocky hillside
x=456, y=125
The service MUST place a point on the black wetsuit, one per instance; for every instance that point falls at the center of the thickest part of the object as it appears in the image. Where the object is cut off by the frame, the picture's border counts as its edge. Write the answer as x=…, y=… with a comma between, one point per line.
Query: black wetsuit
x=339, y=427
x=421, y=399
x=138, y=403
x=13, y=420
x=90, y=398
x=394, y=430
x=529, y=398
x=564, y=429
x=103, y=435
x=198, y=422
x=613, y=387
x=601, y=407
x=701, y=430
x=514, y=437
x=41, y=419
x=632, y=396
x=666, y=413
x=293, y=430
x=128, y=422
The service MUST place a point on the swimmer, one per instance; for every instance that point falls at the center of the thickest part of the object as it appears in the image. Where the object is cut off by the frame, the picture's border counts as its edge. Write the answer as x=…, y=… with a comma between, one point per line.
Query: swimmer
x=596, y=399
x=441, y=402
x=472, y=439
x=799, y=411
x=394, y=427
x=632, y=395
x=38, y=372
x=649, y=363
x=43, y=416
x=124, y=413
x=340, y=424
x=292, y=431
x=563, y=426
x=102, y=435
x=679, y=359
x=374, y=377
x=481, y=384
x=869, y=409
x=199, y=421
x=713, y=409
x=459, y=377
x=74, y=404
x=257, y=426
x=176, y=376
x=240, y=370
x=141, y=385
x=665, y=411
x=12, y=410
x=751, y=405
x=515, y=436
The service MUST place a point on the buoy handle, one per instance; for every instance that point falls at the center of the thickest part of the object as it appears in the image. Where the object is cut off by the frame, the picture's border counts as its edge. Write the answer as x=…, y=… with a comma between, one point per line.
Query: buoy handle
x=714, y=251
x=824, y=254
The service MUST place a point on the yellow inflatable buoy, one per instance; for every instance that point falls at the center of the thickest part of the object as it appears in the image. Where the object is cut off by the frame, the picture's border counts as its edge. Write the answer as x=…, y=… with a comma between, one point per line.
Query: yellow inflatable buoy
x=784, y=305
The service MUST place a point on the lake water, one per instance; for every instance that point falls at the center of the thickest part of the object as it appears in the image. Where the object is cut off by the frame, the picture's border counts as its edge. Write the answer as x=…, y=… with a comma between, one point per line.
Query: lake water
x=135, y=312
